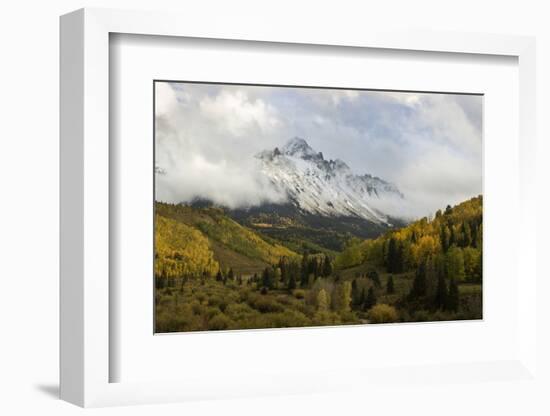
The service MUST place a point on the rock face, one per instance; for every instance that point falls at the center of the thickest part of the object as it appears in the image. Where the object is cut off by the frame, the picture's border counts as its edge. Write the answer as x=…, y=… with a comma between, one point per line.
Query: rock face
x=327, y=187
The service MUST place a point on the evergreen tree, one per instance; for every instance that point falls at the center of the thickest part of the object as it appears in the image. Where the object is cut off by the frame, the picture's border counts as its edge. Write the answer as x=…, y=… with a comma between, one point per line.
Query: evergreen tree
x=453, y=297
x=391, y=262
x=370, y=301
x=291, y=283
x=304, y=270
x=313, y=266
x=452, y=236
x=267, y=278
x=219, y=276
x=284, y=270
x=230, y=274
x=355, y=293
x=373, y=275
x=390, y=288
x=399, y=258
x=327, y=266
x=444, y=238
x=440, y=301
x=419, y=287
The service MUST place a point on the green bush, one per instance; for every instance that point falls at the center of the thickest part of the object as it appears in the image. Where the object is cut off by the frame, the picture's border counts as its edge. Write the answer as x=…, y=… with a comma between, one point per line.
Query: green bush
x=299, y=294
x=265, y=304
x=219, y=322
x=382, y=313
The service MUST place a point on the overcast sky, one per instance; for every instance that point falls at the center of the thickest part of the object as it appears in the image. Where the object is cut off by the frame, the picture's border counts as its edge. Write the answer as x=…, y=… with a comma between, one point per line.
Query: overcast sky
x=429, y=145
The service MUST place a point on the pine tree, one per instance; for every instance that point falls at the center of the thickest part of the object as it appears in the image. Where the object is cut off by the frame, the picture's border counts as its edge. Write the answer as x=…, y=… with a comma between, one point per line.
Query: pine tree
x=219, y=276
x=452, y=237
x=313, y=267
x=355, y=293
x=390, y=288
x=440, y=301
x=444, y=238
x=362, y=298
x=419, y=287
x=267, y=278
x=327, y=266
x=453, y=298
x=291, y=283
x=391, y=262
x=373, y=275
x=230, y=274
x=304, y=270
x=399, y=258
x=370, y=301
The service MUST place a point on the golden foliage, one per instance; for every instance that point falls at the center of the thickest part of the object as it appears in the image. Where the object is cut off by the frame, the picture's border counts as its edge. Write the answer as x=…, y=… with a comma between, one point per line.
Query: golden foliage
x=181, y=250
x=382, y=313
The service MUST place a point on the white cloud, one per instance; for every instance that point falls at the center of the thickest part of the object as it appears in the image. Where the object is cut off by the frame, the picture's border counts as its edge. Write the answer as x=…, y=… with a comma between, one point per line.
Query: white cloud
x=205, y=142
x=429, y=145
x=236, y=113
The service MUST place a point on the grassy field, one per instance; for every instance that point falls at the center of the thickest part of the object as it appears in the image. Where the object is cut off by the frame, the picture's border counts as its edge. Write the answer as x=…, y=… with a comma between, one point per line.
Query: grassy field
x=194, y=305
x=212, y=305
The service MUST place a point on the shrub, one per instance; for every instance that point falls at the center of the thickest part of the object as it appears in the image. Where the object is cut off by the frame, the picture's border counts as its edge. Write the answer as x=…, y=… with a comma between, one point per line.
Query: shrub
x=382, y=313
x=289, y=318
x=265, y=304
x=219, y=322
x=421, y=316
x=299, y=294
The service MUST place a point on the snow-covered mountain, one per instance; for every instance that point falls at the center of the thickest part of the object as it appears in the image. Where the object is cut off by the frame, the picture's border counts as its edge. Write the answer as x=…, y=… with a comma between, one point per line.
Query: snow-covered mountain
x=327, y=187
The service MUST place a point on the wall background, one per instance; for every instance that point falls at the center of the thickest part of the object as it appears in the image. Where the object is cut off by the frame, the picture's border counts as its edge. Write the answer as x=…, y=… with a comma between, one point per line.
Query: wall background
x=29, y=204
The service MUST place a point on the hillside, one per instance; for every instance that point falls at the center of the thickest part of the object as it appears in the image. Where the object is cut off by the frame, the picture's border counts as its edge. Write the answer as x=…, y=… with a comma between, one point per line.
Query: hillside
x=301, y=231
x=456, y=230
x=232, y=244
x=181, y=250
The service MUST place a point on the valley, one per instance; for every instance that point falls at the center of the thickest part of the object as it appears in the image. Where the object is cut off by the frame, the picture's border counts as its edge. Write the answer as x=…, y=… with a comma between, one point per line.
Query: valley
x=217, y=270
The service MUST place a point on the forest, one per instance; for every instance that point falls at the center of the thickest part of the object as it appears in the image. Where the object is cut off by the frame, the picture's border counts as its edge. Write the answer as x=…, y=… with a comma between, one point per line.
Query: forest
x=214, y=273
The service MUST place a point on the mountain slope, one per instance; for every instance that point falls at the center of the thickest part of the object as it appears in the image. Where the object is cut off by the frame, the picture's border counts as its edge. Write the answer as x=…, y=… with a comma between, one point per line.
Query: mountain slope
x=457, y=229
x=326, y=188
x=181, y=250
x=230, y=241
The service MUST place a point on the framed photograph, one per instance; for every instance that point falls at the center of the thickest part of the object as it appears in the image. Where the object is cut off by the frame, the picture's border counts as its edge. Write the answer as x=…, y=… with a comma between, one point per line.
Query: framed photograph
x=256, y=214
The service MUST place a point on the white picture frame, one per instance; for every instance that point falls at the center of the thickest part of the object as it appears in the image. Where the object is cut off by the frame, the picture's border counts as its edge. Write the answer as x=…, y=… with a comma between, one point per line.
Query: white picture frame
x=85, y=165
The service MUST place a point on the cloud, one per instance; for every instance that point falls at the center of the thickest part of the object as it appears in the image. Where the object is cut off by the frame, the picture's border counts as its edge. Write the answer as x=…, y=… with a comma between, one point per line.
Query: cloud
x=429, y=145
x=234, y=112
x=205, y=142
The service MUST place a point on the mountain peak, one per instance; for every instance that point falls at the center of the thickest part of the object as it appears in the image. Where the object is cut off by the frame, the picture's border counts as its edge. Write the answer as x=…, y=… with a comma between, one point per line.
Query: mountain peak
x=339, y=165
x=326, y=187
x=297, y=147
